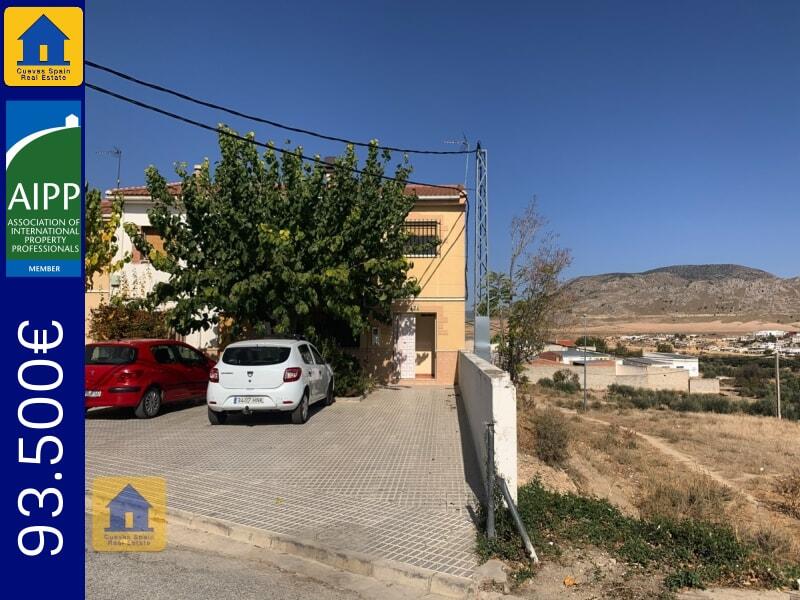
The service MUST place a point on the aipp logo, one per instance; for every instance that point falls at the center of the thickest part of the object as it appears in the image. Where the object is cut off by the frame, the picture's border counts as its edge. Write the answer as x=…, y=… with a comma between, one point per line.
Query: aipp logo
x=43, y=46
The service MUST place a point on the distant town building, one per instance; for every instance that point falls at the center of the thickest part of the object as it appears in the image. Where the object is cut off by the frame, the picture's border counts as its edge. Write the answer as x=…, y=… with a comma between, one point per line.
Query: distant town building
x=675, y=361
x=765, y=333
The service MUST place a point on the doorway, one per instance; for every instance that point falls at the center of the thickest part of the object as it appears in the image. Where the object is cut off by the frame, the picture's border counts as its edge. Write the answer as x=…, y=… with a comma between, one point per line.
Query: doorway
x=425, y=346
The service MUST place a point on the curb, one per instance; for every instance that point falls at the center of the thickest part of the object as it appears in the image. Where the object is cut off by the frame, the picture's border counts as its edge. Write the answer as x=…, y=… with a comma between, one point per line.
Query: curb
x=386, y=571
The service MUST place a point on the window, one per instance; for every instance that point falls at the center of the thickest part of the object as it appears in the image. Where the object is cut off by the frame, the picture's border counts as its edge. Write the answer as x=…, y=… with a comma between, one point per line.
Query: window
x=317, y=356
x=189, y=356
x=156, y=241
x=163, y=354
x=253, y=356
x=422, y=238
x=306, y=354
x=109, y=355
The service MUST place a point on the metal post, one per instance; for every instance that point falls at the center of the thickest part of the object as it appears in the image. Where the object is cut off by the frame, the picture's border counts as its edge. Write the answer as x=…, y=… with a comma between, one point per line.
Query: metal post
x=481, y=258
x=584, y=363
x=518, y=521
x=778, y=376
x=491, y=533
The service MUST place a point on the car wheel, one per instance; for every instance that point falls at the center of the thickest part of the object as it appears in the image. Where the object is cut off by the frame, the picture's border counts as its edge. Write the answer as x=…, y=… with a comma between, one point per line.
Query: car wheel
x=217, y=418
x=149, y=405
x=300, y=414
x=329, y=399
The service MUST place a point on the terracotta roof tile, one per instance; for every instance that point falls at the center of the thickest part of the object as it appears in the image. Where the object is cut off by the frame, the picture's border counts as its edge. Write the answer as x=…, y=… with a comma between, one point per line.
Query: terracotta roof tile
x=423, y=191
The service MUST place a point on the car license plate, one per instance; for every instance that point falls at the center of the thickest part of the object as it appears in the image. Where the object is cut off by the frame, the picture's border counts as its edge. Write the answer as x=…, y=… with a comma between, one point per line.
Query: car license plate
x=249, y=399
x=92, y=393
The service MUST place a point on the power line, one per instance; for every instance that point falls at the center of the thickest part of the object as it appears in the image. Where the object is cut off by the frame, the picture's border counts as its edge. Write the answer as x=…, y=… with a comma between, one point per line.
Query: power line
x=314, y=159
x=237, y=113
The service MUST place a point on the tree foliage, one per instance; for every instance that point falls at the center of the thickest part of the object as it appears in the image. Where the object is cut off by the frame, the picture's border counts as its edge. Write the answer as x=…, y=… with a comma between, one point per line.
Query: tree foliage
x=271, y=244
x=101, y=237
x=536, y=292
x=499, y=294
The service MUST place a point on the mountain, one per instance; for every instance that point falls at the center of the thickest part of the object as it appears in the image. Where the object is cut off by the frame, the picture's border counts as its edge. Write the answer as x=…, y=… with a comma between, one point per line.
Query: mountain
x=688, y=292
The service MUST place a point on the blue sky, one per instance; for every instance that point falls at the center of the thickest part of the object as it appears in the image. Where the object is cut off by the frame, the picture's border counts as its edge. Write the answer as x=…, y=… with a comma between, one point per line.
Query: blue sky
x=652, y=132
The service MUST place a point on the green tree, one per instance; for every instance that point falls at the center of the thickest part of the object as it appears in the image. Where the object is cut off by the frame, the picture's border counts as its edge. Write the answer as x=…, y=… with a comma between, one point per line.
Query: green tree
x=664, y=347
x=270, y=243
x=599, y=343
x=101, y=236
x=499, y=294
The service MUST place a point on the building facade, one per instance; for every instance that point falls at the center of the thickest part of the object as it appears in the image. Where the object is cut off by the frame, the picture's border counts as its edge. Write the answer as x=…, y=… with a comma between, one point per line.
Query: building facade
x=421, y=343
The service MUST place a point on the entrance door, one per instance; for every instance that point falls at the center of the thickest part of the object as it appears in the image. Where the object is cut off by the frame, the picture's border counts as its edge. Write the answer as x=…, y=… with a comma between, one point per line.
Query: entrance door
x=426, y=346
x=406, y=344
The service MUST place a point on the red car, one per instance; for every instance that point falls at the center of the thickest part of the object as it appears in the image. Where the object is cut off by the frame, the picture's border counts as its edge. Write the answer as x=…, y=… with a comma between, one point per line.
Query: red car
x=144, y=374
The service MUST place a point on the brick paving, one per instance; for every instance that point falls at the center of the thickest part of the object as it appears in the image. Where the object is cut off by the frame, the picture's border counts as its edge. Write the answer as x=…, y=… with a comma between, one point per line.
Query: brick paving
x=384, y=476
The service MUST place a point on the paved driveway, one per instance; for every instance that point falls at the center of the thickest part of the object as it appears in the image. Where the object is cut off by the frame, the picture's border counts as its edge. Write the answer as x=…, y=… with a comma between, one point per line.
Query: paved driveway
x=384, y=476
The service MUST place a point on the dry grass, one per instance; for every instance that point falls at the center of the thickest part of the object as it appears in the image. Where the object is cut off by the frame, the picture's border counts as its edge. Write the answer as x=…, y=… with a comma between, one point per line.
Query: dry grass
x=688, y=494
x=733, y=445
x=787, y=487
x=755, y=455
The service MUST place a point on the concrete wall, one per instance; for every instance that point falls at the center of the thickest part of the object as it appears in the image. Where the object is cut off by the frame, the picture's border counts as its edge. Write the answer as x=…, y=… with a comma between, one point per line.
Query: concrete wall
x=658, y=379
x=487, y=394
x=600, y=377
x=597, y=377
x=699, y=385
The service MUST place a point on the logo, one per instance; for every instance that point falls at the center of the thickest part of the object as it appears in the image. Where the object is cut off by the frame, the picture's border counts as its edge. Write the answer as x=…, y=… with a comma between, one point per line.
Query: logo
x=43, y=46
x=43, y=191
x=129, y=514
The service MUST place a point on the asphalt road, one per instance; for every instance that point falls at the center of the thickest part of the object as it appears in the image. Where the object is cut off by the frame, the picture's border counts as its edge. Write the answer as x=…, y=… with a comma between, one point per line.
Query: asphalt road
x=198, y=567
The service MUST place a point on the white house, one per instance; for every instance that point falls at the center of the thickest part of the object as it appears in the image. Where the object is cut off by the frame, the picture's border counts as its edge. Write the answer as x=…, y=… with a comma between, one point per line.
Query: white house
x=676, y=361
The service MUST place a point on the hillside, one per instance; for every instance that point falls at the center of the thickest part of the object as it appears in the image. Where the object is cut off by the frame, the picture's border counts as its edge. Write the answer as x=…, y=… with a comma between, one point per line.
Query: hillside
x=688, y=293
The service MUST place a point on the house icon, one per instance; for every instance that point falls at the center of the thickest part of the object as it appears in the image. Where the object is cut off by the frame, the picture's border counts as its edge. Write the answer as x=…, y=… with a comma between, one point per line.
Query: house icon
x=129, y=502
x=43, y=44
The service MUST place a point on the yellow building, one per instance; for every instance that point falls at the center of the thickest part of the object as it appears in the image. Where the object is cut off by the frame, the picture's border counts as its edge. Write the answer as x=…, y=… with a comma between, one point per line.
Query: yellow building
x=422, y=342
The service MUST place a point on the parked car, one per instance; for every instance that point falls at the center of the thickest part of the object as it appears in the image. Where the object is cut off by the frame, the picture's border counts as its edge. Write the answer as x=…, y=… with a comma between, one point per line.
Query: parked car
x=144, y=374
x=281, y=374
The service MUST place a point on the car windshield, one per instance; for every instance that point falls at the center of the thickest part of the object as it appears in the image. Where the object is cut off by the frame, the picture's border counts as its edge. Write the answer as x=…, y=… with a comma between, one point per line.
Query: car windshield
x=249, y=356
x=109, y=355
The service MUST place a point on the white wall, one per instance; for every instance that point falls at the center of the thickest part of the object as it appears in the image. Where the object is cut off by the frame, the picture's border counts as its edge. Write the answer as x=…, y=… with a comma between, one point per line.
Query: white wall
x=488, y=395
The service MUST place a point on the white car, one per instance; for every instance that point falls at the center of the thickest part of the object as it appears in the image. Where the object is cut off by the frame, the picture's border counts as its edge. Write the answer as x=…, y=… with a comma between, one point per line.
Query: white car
x=281, y=374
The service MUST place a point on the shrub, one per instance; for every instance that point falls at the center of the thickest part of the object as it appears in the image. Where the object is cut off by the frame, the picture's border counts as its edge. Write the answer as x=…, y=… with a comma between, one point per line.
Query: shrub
x=627, y=396
x=552, y=434
x=563, y=380
x=688, y=496
x=120, y=320
x=350, y=378
x=788, y=488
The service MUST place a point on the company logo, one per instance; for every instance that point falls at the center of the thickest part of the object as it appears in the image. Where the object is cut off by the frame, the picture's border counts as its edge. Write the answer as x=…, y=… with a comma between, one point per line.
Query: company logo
x=43, y=191
x=43, y=46
x=128, y=514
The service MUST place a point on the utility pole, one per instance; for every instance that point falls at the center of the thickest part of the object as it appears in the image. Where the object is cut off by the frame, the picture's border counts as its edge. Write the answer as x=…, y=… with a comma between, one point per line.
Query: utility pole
x=778, y=376
x=584, y=363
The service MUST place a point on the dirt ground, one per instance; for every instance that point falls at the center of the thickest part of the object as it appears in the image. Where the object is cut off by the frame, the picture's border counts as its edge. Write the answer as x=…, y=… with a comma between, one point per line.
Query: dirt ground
x=721, y=468
x=679, y=325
